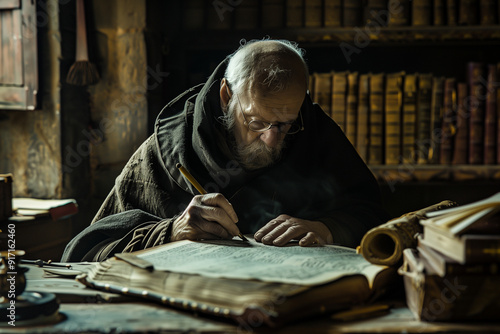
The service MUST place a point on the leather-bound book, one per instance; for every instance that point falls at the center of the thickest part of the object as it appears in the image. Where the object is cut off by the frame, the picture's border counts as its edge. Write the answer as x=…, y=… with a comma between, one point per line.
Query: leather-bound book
x=273, y=14
x=376, y=11
x=490, y=118
x=323, y=91
x=498, y=125
x=462, y=126
x=393, y=109
x=424, y=118
x=352, y=13
x=363, y=121
x=439, y=17
x=436, y=117
x=399, y=13
x=421, y=12
x=352, y=107
x=477, y=93
x=314, y=13
x=246, y=15
x=468, y=12
x=339, y=91
x=332, y=14
x=452, y=12
x=488, y=12
x=193, y=14
x=294, y=13
x=218, y=18
x=376, y=148
x=448, y=126
x=409, y=118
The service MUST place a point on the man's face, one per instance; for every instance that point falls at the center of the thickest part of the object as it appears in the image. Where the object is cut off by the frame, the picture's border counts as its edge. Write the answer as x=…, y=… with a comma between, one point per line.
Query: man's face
x=260, y=149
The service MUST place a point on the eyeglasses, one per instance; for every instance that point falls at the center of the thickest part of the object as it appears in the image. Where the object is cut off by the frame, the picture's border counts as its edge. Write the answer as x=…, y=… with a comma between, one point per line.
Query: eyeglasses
x=288, y=128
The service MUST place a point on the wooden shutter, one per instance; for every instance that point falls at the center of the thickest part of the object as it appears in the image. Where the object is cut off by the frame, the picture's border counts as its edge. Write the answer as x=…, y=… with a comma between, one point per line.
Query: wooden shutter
x=18, y=55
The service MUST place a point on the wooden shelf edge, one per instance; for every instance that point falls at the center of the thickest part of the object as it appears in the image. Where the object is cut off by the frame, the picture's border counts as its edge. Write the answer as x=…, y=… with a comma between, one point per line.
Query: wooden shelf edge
x=434, y=173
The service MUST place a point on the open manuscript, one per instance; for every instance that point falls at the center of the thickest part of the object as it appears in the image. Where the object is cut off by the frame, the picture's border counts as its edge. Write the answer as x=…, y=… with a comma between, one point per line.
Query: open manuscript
x=249, y=282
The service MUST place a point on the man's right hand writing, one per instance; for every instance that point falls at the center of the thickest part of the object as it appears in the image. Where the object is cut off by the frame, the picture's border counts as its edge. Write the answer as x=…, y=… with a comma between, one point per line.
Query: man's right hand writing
x=209, y=216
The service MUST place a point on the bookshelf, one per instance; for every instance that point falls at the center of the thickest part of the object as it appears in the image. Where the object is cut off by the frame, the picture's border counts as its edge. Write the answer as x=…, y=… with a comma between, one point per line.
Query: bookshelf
x=442, y=49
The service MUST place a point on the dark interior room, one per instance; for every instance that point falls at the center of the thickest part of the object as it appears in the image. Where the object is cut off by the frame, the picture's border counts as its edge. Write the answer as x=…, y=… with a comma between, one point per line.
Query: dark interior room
x=412, y=84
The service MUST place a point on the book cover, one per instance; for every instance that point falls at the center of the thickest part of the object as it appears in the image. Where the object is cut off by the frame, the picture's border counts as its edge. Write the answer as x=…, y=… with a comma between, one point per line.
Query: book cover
x=313, y=14
x=490, y=119
x=294, y=13
x=277, y=284
x=363, y=122
x=332, y=15
x=468, y=12
x=424, y=118
x=376, y=148
x=376, y=12
x=461, y=142
x=436, y=117
x=477, y=93
x=409, y=118
x=439, y=17
x=352, y=13
x=339, y=96
x=56, y=208
x=393, y=110
x=399, y=13
x=448, y=126
x=323, y=91
x=352, y=107
x=421, y=12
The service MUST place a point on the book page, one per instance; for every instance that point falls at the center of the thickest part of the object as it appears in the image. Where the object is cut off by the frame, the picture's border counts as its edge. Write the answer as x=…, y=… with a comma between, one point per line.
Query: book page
x=252, y=260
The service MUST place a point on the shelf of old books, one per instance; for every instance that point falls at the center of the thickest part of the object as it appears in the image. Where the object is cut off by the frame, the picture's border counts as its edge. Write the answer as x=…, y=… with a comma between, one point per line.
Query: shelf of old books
x=406, y=173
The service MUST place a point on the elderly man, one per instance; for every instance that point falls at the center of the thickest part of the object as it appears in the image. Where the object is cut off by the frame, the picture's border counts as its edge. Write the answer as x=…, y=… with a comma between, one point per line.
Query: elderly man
x=273, y=163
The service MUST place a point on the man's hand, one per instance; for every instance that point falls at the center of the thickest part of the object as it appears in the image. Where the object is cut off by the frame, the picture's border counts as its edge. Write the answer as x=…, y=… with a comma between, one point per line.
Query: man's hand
x=284, y=228
x=209, y=216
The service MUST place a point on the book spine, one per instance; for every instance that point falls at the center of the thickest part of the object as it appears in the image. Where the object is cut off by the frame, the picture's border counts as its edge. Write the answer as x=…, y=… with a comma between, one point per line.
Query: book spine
x=482, y=250
x=436, y=117
x=472, y=269
x=323, y=91
x=218, y=18
x=487, y=12
x=421, y=12
x=424, y=118
x=246, y=15
x=399, y=13
x=498, y=121
x=477, y=94
x=352, y=107
x=449, y=113
x=462, y=128
x=393, y=105
x=376, y=153
x=490, y=120
x=193, y=13
x=409, y=118
x=333, y=13
x=339, y=99
x=439, y=12
x=363, y=123
x=352, y=13
x=314, y=13
x=468, y=12
x=376, y=11
x=273, y=14
x=294, y=13
x=452, y=12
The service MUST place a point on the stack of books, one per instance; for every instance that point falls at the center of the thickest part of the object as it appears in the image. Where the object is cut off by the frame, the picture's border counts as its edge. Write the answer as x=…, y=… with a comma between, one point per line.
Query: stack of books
x=454, y=272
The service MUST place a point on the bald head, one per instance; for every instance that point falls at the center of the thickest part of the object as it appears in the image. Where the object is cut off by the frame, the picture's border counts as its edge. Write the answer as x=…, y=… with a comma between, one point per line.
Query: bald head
x=267, y=67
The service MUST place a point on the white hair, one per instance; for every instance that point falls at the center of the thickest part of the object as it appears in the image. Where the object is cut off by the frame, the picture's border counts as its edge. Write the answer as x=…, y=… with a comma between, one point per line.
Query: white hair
x=246, y=68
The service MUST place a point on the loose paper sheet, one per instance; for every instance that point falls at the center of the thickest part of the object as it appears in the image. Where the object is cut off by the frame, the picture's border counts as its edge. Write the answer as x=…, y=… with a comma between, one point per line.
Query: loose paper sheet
x=252, y=260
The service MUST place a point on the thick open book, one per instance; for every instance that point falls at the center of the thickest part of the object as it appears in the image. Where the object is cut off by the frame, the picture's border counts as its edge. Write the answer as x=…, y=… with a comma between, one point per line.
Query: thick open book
x=248, y=282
